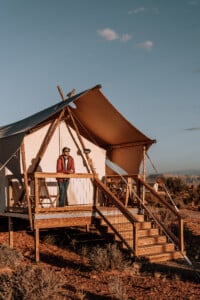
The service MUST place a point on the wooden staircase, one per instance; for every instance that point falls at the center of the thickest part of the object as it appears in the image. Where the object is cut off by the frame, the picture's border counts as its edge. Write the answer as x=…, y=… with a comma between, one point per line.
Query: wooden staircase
x=146, y=236
x=151, y=245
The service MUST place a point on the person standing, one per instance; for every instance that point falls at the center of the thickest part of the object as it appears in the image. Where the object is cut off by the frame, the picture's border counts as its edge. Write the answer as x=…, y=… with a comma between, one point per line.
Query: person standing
x=65, y=165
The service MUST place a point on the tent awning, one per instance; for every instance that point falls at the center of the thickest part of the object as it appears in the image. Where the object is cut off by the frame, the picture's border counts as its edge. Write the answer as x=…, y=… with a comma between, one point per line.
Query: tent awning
x=96, y=119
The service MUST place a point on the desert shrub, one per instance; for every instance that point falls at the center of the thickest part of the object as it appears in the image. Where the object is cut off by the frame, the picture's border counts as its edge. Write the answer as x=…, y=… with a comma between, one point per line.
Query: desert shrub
x=6, y=286
x=195, y=195
x=49, y=239
x=175, y=185
x=117, y=288
x=9, y=257
x=109, y=257
x=30, y=283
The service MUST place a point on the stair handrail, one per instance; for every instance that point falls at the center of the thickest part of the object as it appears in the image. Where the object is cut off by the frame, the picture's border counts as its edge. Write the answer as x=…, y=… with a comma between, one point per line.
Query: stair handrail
x=159, y=197
x=123, y=209
x=179, y=242
x=114, y=230
x=169, y=234
x=115, y=200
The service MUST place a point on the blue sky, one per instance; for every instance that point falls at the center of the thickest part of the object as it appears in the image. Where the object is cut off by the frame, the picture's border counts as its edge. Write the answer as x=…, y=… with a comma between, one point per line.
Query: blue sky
x=144, y=53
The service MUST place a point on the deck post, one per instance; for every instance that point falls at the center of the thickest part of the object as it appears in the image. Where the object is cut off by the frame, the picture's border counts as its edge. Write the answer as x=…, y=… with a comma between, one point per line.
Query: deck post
x=36, y=193
x=135, y=238
x=144, y=173
x=26, y=185
x=10, y=228
x=181, y=235
x=37, y=245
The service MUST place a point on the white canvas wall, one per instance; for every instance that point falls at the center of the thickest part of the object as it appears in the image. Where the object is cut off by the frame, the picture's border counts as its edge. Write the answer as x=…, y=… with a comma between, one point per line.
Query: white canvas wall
x=80, y=190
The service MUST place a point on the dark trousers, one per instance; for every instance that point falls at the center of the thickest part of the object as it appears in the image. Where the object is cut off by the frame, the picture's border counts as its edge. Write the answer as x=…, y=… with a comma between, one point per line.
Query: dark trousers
x=63, y=186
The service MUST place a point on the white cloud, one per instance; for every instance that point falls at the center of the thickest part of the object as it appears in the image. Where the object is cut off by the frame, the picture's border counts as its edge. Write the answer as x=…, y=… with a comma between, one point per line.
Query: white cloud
x=125, y=37
x=142, y=10
x=111, y=35
x=193, y=2
x=108, y=34
x=147, y=45
x=136, y=11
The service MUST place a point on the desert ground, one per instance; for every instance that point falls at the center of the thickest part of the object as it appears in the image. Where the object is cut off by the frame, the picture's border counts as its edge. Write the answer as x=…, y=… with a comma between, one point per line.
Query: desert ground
x=75, y=276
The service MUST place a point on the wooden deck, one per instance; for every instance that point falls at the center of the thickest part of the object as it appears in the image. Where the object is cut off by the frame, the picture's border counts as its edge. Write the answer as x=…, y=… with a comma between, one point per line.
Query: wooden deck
x=117, y=217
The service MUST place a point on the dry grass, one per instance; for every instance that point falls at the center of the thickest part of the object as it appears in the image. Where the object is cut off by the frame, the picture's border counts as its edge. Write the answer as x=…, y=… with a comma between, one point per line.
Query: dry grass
x=117, y=288
x=108, y=258
x=9, y=257
x=30, y=283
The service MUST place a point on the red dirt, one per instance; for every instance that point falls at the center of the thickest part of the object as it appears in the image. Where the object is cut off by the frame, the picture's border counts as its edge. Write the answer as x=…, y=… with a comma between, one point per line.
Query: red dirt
x=165, y=281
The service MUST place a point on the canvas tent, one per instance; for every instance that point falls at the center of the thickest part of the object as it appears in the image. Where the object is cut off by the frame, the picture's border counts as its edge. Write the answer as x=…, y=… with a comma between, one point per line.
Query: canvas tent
x=104, y=131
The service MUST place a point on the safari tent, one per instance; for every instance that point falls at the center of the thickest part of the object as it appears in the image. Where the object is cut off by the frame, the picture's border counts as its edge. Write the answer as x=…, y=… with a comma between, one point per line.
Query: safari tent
x=99, y=138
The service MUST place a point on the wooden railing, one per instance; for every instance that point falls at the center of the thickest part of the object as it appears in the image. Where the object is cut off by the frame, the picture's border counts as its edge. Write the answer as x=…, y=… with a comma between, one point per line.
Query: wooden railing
x=164, y=214
x=122, y=212
x=82, y=185
x=158, y=210
x=127, y=194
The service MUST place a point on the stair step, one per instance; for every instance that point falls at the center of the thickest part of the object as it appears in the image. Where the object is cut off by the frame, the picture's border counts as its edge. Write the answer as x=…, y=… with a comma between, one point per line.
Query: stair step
x=151, y=245
x=164, y=256
x=143, y=225
x=128, y=235
x=129, y=226
x=155, y=249
x=122, y=219
x=123, y=226
x=152, y=240
x=148, y=232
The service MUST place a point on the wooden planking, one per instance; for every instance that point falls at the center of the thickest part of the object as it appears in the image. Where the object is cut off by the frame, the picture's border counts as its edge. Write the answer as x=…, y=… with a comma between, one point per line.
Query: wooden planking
x=148, y=232
x=61, y=222
x=155, y=249
x=69, y=208
x=160, y=239
x=165, y=256
x=61, y=175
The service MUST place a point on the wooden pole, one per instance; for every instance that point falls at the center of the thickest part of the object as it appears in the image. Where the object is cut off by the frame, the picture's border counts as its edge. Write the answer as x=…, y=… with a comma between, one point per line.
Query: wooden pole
x=46, y=141
x=43, y=148
x=36, y=194
x=10, y=228
x=144, y=174
x=26, y=184
x=37, y=245
x=77, y=132
x=181, y=234
x=79, y=149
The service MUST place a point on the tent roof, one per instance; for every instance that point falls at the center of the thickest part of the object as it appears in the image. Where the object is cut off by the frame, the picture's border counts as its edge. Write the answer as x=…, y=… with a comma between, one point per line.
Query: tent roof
x=96, y=117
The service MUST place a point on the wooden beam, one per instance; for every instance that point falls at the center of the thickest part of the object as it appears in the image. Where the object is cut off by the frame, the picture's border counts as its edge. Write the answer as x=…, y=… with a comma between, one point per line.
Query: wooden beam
x=116, y=201
x=62, y=175
x=181, y=235
x=70, y=132
x=26, y=184
x=36, y=187
x=89, y=160
x=132, y=144
x=46, y=141
x=43, y=148
x=37, y=245
x=85, y=163
x=10, y=228
x=171, y=208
